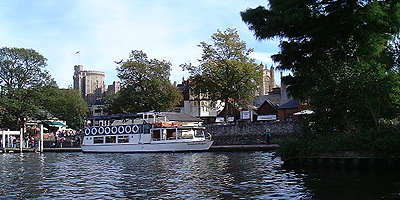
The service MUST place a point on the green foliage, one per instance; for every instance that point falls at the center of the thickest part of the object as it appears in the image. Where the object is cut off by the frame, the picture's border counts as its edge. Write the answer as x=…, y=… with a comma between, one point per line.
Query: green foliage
x=338, y=52
x=226, y=72
x=22, y=76
x=65, y=104
x=145, y=86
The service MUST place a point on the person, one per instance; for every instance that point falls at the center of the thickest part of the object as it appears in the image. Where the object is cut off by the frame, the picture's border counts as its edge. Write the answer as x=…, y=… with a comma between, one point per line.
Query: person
x=268, y=135
x=61, y=142
x=32, y=140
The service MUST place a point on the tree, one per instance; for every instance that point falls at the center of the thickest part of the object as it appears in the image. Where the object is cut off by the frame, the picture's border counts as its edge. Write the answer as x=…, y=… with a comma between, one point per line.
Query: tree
x=226, y=72
x=65, y=104
x=337, y=52
x=145, y=86
x=22, y=75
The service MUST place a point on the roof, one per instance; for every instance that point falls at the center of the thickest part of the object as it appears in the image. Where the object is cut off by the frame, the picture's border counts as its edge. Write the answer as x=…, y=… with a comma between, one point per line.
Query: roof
x=268, y=107
x=112, y=116
x=270, y=103
x=274, y=98
x=291, y=104
x=181, y=117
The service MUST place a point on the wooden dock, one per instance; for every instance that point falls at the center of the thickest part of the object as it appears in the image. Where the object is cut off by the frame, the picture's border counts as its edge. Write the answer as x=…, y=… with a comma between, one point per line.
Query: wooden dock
x=17, y=150
x=77, y=149
x=27, y=150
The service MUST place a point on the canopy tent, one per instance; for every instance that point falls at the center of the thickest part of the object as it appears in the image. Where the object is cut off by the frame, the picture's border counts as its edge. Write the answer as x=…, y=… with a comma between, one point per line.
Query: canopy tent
x=55, y=124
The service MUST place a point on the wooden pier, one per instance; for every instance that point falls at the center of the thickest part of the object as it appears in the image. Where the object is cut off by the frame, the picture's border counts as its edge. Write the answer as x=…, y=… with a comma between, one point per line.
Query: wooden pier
x=28, y=150
x=62, y=149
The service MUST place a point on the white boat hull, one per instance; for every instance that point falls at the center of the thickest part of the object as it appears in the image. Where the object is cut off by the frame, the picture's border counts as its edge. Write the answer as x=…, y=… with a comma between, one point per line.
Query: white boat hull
x=155, y=146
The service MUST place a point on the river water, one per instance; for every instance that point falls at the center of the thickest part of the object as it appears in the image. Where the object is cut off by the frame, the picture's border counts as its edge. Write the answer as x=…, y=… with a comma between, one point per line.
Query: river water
x=207, y=175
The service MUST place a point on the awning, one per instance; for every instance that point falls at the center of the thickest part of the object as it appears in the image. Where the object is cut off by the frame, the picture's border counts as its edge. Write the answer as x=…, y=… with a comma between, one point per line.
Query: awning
x=55, y=124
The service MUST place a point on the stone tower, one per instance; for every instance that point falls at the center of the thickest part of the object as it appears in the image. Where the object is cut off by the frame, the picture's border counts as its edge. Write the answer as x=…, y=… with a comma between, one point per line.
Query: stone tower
x=90, y=83
x=268, y=81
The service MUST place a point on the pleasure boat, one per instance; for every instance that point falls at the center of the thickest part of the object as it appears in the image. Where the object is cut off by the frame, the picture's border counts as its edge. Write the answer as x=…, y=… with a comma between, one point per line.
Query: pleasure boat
x=145, y=132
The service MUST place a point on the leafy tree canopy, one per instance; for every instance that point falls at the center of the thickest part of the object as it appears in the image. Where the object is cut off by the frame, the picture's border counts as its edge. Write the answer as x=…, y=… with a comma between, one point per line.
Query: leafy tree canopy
x=338, y=52
x=145, y=86
x=65, y=104
x=22, y=75
x=226, y=72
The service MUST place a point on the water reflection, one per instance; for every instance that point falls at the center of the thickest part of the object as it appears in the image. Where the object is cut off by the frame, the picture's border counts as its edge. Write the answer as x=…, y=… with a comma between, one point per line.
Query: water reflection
x=211, y=175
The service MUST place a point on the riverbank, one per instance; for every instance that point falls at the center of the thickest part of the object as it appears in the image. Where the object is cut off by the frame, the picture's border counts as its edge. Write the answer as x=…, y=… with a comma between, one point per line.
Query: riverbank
x=349, y=150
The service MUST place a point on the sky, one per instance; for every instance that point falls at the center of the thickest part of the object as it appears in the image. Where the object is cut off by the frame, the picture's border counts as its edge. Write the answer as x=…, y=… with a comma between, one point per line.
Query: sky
x=104, y=31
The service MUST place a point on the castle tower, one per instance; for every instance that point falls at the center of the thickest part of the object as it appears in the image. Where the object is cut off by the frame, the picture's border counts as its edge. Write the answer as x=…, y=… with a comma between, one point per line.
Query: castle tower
x=91, y=84
x=268, y=81
x=272, y=78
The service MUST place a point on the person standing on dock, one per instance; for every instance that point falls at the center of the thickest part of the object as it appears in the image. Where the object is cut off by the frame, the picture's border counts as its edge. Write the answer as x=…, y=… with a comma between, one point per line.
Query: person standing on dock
x=268, y=135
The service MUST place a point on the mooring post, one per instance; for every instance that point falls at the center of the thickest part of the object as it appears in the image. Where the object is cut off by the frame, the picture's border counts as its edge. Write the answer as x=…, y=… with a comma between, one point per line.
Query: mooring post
x=3, y=139
x=21, y=139
x=41, y=138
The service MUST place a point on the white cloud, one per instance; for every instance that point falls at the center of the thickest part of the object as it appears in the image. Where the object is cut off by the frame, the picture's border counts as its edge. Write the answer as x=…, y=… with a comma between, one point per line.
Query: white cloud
x=262, y=57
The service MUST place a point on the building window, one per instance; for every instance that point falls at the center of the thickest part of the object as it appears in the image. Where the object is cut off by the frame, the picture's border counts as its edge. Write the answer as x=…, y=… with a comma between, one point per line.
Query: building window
x=98, y=140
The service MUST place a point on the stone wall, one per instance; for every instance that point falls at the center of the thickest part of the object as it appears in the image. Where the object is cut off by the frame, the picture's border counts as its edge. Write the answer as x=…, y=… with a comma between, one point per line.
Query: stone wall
x=250, y=133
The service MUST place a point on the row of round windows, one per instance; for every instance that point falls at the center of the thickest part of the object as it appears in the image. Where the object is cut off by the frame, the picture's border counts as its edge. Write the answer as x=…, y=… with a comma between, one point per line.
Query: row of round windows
x=126, y=129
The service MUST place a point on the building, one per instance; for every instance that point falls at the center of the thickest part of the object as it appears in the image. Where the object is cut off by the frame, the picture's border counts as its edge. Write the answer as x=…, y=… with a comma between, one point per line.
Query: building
x=268, y=81
x=113, y=88
x=90, y=83
x=197, y=105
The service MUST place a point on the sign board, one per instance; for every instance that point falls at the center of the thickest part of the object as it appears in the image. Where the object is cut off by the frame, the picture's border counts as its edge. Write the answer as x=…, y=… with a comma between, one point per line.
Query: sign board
x=246, y=114
x=221, y=119
x=266, y=117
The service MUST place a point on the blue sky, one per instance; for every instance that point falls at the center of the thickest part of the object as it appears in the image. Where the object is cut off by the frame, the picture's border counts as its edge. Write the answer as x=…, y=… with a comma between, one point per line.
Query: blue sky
x=105, y=31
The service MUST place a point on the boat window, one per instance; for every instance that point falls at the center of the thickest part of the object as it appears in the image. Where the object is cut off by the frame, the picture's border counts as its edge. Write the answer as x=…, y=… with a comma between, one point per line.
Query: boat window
x=111, y=139
x=156, y=134
x=171, y=134
x=98, y=140
x=185, y=134
x=123, y=139
x=199, y=133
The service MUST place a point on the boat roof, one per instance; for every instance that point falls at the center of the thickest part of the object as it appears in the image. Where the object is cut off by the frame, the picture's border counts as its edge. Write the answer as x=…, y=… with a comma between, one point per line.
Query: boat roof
x=113, y=116
x=171, y=116
x=180, y=117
